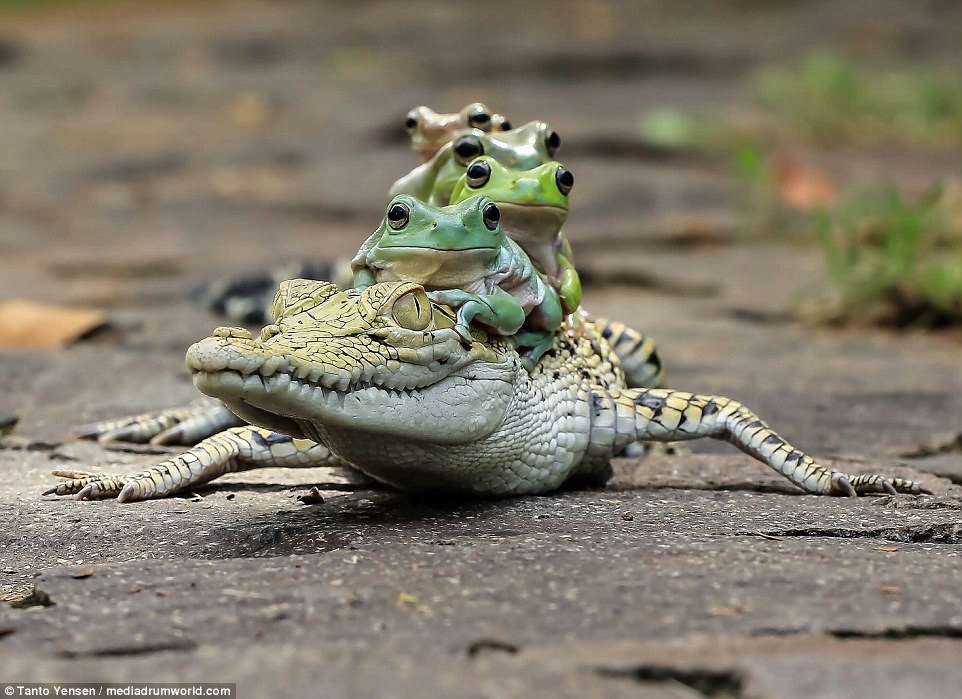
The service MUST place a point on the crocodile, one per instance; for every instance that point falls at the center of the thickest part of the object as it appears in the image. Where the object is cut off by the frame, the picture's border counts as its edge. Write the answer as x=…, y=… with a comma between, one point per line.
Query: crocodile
x=379, y=380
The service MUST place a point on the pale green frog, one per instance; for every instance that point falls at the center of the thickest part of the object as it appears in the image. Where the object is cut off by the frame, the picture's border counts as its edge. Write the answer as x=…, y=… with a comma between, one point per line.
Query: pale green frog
x=460, y=254
x=429, y=131
x=534, y=206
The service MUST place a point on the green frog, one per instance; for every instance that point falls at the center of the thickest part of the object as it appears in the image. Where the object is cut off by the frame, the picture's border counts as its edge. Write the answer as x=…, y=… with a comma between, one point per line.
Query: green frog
x=429, y=131
x=534, y=206
x=522, y=148
x=462, y=257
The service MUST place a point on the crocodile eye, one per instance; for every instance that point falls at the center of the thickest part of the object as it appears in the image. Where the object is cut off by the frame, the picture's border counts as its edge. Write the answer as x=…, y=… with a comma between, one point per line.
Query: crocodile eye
x=413, y=311
x=411, y=123
x=397, y=216
x=467, y=148
x=477, y=174
x=552, y=142
x=565, y=180
x=505, y=125
x=479, y=119
x=491, y=215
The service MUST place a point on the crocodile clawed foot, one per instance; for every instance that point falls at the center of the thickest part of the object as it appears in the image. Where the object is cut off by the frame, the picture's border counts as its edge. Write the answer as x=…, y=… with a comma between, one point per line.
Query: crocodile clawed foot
x=852, y=486
x=100, y=486
x=84, y=485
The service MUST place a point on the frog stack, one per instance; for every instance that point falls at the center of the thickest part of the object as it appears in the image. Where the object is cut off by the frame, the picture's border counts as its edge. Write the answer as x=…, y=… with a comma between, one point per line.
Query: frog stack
x=478, y=224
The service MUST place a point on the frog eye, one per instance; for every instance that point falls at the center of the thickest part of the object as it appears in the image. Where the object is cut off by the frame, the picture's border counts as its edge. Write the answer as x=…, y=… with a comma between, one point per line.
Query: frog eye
x=467, y=148
x=491, y=215
x=397, y=216
x=413, y=310
x=505, y=125
x=565, y=180
x=552, y=142
x=477, y=174
x=479, y=119
x=411, y=123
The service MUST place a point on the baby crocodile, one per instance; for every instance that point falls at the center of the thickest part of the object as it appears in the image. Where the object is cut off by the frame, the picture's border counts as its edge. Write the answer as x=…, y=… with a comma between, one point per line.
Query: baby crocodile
x=379, y=380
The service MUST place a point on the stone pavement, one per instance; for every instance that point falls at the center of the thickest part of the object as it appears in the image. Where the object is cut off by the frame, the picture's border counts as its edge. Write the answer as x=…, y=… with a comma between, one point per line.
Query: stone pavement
x=150, y=146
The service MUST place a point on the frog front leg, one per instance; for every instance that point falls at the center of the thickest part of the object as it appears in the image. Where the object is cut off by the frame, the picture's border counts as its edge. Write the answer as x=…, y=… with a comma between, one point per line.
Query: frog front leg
x=420, y=181
x=499, y=311
x=569, y=284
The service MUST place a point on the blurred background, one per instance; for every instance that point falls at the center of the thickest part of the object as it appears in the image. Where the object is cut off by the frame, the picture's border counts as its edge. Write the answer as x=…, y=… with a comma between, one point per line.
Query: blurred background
x=741, y=167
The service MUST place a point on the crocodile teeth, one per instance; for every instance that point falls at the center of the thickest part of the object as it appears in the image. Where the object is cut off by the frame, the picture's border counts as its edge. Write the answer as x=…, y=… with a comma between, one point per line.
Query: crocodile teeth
x=278, y=383
x=253, y=383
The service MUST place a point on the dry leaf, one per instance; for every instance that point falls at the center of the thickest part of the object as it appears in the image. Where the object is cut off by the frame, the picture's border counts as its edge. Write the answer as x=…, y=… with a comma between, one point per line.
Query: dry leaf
x=885, y=548
x=82, y=573
x=34, y=325
x=890, y=589
x=802, y=187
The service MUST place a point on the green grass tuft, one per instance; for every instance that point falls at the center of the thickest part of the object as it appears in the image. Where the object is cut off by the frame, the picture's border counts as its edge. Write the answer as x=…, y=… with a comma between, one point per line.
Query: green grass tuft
x=829, y=98
x=890, y=262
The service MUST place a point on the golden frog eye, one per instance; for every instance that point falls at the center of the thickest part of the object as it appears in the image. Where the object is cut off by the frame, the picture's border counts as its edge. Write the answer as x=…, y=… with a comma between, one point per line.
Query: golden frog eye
x=413, y=310
x=467, y=148
x=477, y=174
x=565, y=180
x=397, y=216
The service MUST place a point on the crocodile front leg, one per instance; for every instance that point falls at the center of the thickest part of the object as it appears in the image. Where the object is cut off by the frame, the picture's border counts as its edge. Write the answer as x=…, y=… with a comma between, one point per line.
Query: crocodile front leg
x=237, y=449
x=664, y=415
x=184, y=425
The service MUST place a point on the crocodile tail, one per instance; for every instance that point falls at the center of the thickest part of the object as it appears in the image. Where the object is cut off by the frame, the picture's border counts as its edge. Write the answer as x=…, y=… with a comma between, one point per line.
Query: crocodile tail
x=636, y=352
x=247, y=298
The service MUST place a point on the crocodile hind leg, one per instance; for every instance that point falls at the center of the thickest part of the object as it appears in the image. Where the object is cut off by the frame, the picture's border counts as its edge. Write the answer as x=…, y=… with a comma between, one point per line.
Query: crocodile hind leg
x=641, y=363
x=666, y=415
x=237, y=449
x=184, y=425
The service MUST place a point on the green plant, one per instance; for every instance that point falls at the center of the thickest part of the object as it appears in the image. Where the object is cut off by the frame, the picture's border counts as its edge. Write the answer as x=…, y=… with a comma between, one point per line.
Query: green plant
x=829, y=98
x=890, y=262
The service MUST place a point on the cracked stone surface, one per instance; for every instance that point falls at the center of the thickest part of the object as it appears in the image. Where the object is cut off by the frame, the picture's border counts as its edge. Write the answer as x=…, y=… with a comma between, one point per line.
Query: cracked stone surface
x=172, y=144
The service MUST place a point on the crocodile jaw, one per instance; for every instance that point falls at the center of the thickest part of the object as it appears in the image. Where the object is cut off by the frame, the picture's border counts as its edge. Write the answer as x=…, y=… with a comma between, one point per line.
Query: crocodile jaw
x=263, y=386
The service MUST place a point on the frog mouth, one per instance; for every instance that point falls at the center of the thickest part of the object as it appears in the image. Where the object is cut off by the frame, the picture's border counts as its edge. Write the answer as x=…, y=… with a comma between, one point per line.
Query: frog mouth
x=415, y=249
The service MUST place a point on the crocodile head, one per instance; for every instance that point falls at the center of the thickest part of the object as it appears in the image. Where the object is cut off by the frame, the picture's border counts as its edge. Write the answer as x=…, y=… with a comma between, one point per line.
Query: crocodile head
x=384, y=360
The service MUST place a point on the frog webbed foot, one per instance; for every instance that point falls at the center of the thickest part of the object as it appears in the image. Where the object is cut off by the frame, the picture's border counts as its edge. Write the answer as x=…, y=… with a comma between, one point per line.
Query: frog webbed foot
x=466, y=305
x=531, y=346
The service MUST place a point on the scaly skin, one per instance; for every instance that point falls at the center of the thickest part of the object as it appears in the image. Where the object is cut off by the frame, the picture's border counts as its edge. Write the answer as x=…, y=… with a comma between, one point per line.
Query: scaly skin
x=420, y=411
